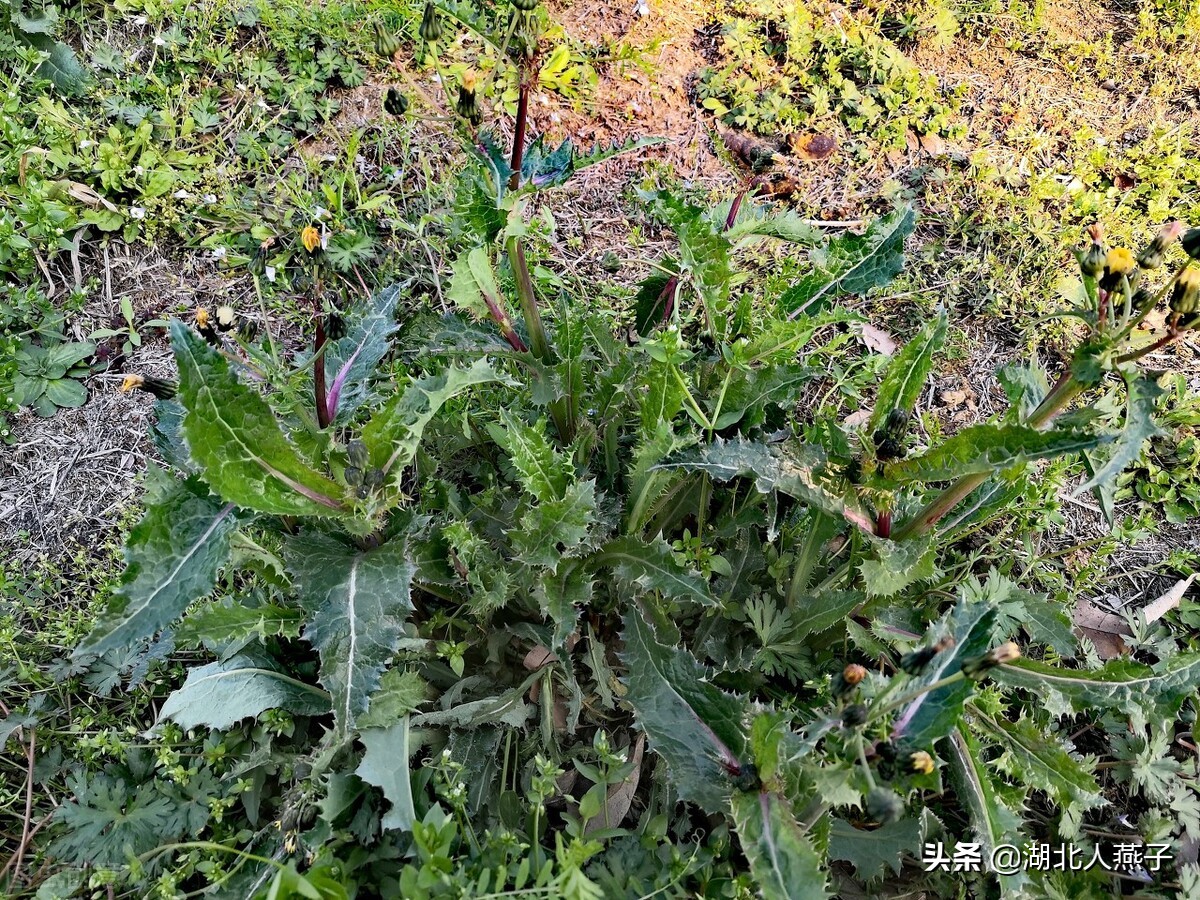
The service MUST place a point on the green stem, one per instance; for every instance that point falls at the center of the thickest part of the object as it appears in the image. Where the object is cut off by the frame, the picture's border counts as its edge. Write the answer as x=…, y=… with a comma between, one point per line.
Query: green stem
x=806, y=561
x=1067, y=389
x=529, y=308
x=697, y=412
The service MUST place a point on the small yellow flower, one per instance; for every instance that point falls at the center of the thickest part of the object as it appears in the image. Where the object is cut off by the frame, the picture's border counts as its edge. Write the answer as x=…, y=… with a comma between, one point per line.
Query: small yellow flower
x=920, y=763
x=202, y=319
x=310, y=238
x=1185, y=295
x=131, y=383
x=1118, y=263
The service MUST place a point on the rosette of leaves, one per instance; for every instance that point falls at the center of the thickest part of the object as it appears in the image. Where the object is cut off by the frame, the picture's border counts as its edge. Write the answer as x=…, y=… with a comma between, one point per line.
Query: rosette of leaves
x=48, y=377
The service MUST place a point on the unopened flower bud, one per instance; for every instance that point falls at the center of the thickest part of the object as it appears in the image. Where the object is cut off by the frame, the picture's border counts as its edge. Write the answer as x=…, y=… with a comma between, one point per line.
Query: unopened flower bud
x=978, y=667
x=914, y=663
x=1152, y=256
x=354, y=475
x=335, y=326
x=1118, y=263
x=525, y=5
x=844, y=682
x=889, y=440
x=163, y=390
x=1185, y=294
x=395, y=103
x=356, y=452
x=468, y=106
x=854, y=715
x=1191, y=242
x=1091, y=260
x=386, y=44
x=884, y=806
x=431, y=26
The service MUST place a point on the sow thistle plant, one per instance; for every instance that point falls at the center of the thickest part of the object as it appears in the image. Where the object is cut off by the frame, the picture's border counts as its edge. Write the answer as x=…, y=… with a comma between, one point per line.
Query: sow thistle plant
x=549, y=539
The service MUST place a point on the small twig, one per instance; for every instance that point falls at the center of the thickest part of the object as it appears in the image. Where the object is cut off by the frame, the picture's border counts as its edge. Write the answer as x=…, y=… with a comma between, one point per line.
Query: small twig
x=25, y=833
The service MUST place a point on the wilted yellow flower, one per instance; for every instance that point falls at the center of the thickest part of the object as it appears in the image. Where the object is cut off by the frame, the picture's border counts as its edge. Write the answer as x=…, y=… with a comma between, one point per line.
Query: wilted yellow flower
x=1185, y=295
x=920, y=763
x=310, y=238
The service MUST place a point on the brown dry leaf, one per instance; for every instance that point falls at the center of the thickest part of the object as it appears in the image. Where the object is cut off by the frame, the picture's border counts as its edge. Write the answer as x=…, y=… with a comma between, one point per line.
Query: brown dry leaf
x=85, y=194
x=1156, y=609
x=1104, y=629
x=1124, y=182
x=537, y=657
x=932, y=144
x=877, y=339
x=620, y=796
x=953, y=398
x=813, y=146
x=757, y=156
x=862, y=417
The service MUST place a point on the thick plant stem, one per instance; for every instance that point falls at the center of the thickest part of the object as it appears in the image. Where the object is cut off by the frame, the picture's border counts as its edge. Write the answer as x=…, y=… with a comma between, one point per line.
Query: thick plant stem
x=518, y=148
x=529, y=308
x=1067, y=389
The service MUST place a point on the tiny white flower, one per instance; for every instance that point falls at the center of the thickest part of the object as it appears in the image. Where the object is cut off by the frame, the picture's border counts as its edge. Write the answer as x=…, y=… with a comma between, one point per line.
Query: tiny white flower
x=139, y=170
x=642, y=8
x=85, y=143
x=219, y=253
x=269, y=271
x=140, y=20
x=241, y=86
x=261, y=104
x=159, y=41
x=320, y=212
x=209, y=199
x=181, y=194
x=437, y=79
x=137, y=212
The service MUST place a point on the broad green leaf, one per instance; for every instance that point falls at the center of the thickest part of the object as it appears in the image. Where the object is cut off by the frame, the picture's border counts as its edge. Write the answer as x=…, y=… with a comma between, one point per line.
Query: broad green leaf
x=62, y=67
x=871, y=851
x=986, y=448
x=1025, y=385
x=993, y=822
x=897, y=565
x=662, y=396
x=1040, y=763
x=853, y=263
x=474, y=283
x=793, y=471
x=477, y=750
x=508, y=709
x=385, y=765
x=236, y=439
x=400, y=692
x=394, y=432
x=544, y=472
x=561, y=595
x=1139, y=427
x=354, y=358
x=813, y=614
x=1121, y=685
x=694, y=725
x=750, y=391
x=223, y=693
x=172, y=558
x=651, y=565
x=782, y=859
x=908, y=371
x=216, y=624
x=932, y=714
x=359, y=600
x=167, y=433
x=66, y=393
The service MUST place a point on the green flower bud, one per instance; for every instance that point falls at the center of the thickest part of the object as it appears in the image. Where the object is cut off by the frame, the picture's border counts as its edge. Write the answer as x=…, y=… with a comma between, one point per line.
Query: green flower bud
x=884, y=806
x=978, y=667
x=395, y=103
x=335, y=326
x=889, y=440
x=1091, y=260
x=431, y=26
x=855, y=715
x=386, y=44
x=1185, y=294
x=525, y=5
x=1191, y=242
x=467, y=106
x=354, y=475
x=356, y=451
x=1152, y=256
x=914, y=663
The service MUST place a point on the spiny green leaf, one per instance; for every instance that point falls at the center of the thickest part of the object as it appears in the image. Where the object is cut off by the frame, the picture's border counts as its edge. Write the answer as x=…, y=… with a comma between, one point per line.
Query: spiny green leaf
x=385, y=765
x=172, y=558
x=508, y=709
x=216, y=624
x=1139, y=427
x=853, y=263
x=870, y=852
x=543, y=471
x=561, y=595
x=758, y=220
x=898, y=564
x=222, y=693
x=1040, y=763
x=358, y=600
x=557, y=528
x=819, y=612
x=690, y=722
x=792, y=471
x=989, y=448
x=932, y=714
x=750, y=391
x=473, y=281
x=1121, y=685
x=400, y=693
x=783, y=861
x=354, y=358
x=395, y=431
x=652, y=566
x=236, y=440
x=662, y=396
x=908, y=371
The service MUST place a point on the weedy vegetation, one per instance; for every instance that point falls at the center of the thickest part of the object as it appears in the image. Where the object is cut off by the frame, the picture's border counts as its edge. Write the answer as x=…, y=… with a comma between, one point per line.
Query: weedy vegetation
x=528, y=594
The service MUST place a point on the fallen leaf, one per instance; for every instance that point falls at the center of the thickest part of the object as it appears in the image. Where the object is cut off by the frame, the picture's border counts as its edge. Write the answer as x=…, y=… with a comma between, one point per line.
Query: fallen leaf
x=813, y=146
x=877, y=339
x=855, y=419
x=1156, y=609
x=539, y=656
x=953, y=398
x=932, y=144
x=1107, y=631
x=1124, y=182
x=620, y=796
